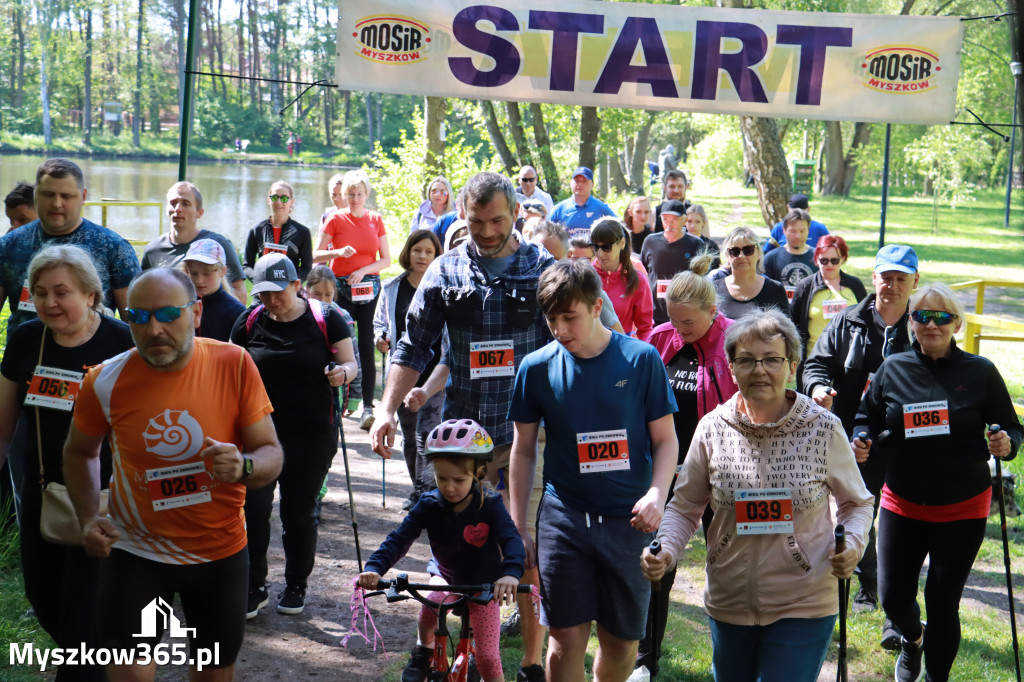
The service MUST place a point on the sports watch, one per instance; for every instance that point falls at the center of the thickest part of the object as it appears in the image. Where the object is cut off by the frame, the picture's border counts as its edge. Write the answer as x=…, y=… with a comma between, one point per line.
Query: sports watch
x=246, y=467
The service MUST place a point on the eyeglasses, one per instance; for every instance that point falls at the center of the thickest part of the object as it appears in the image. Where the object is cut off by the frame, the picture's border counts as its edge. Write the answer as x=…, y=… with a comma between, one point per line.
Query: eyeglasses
x=829, y=261
x=283, y=198
x=735, y=251
x=607, y=248
x=773, y=364
x=166, y=314
x=939, y=317
x=533, y=179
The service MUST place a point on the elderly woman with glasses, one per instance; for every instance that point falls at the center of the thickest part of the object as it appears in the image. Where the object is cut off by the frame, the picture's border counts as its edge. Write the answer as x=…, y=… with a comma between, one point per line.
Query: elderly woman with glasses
x=767, y=460
x=933, y=415
x=746, y=290
x=42, y=368
x=280, y=234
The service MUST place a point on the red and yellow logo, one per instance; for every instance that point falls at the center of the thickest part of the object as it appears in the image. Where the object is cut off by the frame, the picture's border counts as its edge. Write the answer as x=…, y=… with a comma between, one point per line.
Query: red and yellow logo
x=391, y=39
x=901, y=69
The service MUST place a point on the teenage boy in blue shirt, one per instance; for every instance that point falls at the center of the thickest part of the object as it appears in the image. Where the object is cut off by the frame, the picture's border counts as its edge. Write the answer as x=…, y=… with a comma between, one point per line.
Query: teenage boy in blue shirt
x=611, y=448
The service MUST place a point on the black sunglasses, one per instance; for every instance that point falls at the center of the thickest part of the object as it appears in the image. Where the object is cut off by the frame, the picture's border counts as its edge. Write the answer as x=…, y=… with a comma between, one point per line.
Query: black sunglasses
x=528, y=179
x=829, y=261
x=604, y=247
x=747, y=250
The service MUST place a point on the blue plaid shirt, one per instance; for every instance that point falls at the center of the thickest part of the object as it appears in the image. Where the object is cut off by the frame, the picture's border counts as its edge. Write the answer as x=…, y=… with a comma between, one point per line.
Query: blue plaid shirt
x=456, y=291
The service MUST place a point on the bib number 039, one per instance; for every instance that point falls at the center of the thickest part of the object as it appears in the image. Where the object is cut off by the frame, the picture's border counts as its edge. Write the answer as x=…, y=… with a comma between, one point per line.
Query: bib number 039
x=764, y=511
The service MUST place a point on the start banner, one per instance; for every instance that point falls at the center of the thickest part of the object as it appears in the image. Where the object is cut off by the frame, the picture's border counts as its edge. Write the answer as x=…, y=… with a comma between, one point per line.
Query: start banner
x=858, y=67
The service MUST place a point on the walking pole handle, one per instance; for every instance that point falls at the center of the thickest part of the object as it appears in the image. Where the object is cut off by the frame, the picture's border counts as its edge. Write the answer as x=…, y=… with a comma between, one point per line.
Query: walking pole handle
x=655, y=546
x=840, y=538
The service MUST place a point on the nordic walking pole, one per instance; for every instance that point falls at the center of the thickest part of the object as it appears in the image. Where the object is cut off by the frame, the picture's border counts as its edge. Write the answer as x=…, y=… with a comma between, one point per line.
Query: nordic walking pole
x=844, y=598
x=348, y=483
x=383, y=469
x=992, y=430
x=654, y=548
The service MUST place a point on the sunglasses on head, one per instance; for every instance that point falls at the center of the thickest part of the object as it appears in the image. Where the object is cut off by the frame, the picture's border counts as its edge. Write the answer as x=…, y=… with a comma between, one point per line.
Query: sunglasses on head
x=166, y=314
x=939, y=317
x=747, y=250
x=283, y=198
x=829, y=261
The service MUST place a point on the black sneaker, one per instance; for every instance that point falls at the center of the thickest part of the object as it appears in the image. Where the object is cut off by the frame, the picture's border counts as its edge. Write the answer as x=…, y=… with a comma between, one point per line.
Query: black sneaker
x=908, y=664
x=511, y=627
x=366, y=420
x=890, y=636
x=292, y=601
x=418, y=667
x=411, y=501
x=866, y=599
x=258, y=598
x=531, y=673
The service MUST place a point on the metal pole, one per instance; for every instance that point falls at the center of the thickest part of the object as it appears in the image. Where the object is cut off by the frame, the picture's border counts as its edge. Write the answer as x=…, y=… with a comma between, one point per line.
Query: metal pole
x=1015, y=69
x=885, y=184
x=186, y=111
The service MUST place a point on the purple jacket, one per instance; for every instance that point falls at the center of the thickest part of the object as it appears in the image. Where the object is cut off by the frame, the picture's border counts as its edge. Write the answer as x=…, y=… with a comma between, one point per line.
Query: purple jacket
x=714, y=380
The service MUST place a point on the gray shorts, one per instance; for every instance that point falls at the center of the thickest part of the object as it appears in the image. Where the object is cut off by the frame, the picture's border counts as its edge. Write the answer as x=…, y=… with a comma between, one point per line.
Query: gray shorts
x=590, y=571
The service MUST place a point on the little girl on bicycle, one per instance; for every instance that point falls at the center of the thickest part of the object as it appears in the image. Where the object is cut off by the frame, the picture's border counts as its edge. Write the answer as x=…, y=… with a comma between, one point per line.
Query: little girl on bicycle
x=472, y=539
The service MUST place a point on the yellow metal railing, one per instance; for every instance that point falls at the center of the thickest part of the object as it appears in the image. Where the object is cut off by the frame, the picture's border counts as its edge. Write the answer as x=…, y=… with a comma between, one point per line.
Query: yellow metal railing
x=105, y=203
x=979, y=295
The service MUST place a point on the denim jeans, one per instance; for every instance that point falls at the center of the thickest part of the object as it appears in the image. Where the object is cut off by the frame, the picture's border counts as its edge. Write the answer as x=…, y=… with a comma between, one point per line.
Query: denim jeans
x=788, y=650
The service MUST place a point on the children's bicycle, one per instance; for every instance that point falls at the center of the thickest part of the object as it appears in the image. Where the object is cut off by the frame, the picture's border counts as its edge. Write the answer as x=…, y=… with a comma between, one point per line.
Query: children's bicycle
x=442, y=668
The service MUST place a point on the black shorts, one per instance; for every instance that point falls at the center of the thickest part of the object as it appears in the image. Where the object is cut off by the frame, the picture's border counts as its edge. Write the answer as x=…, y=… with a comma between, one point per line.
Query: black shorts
x=138, y=592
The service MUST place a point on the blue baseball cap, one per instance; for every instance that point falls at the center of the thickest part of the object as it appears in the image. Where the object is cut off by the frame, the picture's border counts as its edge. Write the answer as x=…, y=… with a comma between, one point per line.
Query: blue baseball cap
x=896, y=257
x=585, y=172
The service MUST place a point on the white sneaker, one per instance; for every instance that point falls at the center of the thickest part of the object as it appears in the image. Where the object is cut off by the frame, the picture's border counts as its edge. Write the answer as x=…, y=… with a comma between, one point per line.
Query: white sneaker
x=641, y=674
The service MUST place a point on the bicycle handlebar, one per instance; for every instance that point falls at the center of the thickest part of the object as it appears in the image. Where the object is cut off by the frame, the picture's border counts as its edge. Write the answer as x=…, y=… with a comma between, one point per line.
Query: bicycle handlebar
x=392, y=590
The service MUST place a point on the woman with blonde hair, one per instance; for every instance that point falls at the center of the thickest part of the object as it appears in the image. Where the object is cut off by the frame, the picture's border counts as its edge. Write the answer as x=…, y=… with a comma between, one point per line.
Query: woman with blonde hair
x=280, y=233
x=636, y=218
x=746, y=290
x=438, y=200
x=697, y=225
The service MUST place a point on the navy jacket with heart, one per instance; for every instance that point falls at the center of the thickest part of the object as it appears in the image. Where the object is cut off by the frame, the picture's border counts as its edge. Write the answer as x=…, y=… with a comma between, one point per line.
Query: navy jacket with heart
x=474, y=547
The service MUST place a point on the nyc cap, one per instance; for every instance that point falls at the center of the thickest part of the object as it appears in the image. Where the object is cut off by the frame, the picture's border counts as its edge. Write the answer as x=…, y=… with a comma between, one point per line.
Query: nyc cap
x=673, y=207
x=896, y=257
x=273, y=272
x=206, y=251
x=585, y=172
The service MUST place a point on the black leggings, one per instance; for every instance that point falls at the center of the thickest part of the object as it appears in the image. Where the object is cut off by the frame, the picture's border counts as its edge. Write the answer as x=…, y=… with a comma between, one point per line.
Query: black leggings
x=952, y=547
x=362, y=313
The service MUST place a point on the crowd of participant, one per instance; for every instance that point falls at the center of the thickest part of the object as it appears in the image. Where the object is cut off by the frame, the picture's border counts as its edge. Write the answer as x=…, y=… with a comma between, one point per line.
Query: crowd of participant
x=569, y=387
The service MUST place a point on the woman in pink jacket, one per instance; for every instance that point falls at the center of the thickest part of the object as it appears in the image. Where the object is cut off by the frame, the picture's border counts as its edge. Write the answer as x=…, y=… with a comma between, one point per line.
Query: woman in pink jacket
x=767, y=460
x=629, y=291
x=692, y=346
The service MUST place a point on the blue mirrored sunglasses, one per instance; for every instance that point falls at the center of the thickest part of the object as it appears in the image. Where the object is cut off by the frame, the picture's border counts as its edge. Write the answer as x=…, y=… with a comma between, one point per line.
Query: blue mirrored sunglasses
x=939, y=317
x=166, y=314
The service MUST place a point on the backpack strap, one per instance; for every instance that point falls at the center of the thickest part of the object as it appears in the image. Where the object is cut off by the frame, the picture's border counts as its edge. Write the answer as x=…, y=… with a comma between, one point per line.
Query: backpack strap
x=316, y=307
x=251, y=320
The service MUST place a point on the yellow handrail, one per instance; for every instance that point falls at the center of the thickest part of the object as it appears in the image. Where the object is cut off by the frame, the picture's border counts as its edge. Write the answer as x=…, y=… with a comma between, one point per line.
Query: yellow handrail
x=979, y=296
x=105, y=203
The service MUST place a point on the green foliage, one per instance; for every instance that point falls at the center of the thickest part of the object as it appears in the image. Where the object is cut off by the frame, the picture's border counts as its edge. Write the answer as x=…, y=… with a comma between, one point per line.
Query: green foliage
x=947, y=156
x=719, y=154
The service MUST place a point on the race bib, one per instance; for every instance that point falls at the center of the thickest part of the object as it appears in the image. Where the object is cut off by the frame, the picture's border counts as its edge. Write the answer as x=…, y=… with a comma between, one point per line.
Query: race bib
x=764, y=511
x=661, y=287
x=271, y=247
x=25, y=301
x=832, y=307
x=602, y=451
x=789, y=292
x=54, y=388
x=182, y=485
x=492, y=359
x=926, y=419
x=362, y=292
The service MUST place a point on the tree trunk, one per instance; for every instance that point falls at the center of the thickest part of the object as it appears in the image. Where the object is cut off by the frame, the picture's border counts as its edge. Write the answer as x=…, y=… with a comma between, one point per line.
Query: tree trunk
x=767, y=166
x=601, y=189
x=19, y=29
x=590, y=127
x=328, y=102
x=497, y=137
x=638, y=165
x=434, y=110
x=137, y=118
x=553, y=185
x=242, y=55
x=616, y=177
x=87, y=104
x=515, y=122
x=369, y=120
x=347, y=95
x=840, y=169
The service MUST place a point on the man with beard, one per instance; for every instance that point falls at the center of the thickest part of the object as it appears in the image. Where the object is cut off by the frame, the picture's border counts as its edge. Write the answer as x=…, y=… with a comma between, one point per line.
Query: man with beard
x=189, y=424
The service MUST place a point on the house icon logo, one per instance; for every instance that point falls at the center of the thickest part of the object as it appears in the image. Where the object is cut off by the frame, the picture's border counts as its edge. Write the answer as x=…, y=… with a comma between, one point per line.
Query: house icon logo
x=158, y=616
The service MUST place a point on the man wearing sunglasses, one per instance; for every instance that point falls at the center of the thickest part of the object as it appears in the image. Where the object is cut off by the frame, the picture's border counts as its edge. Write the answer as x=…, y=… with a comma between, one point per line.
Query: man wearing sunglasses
x=529, y=188
x=189, y=423
x=184, y=208
x=841, y=365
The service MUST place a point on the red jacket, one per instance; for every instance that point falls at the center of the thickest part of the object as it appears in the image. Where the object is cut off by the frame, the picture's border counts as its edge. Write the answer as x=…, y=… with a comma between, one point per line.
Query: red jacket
x=714, y=380
x=636, y=310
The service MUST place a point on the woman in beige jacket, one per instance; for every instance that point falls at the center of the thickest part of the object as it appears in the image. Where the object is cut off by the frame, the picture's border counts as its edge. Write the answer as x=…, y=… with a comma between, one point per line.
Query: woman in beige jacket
x=767, y=461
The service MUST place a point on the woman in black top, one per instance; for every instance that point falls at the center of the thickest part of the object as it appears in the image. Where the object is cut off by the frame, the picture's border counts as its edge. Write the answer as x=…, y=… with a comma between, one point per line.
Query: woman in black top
x=746, y=290
x=926, y=413
x=292, y=340
x=280, y=234
x=71, y=335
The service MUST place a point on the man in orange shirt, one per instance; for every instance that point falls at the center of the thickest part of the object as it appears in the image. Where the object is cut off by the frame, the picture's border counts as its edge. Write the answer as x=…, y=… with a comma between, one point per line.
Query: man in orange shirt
x=189, y=424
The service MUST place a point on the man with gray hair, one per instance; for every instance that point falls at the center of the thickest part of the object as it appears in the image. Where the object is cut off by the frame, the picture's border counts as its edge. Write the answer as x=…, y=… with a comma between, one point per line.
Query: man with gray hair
x=59, y=197
x=184, y=209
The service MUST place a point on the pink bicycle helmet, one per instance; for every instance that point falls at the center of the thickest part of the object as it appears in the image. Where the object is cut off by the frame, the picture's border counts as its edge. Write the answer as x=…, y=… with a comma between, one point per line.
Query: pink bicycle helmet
x=462, y=437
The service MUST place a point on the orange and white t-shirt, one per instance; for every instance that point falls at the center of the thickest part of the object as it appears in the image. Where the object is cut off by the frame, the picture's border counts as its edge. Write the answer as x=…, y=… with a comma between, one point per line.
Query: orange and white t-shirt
x=163, y=497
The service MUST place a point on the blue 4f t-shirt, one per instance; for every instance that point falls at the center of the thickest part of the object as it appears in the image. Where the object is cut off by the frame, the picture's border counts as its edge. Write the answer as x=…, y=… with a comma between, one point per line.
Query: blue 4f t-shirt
x=623, y=388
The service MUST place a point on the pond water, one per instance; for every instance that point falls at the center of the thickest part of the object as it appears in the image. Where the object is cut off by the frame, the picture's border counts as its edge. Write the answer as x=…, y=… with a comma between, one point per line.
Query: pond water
x=234, y=194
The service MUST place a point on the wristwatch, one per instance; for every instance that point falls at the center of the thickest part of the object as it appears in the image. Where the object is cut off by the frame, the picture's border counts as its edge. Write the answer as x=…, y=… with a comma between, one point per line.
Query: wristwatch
x=246, y=467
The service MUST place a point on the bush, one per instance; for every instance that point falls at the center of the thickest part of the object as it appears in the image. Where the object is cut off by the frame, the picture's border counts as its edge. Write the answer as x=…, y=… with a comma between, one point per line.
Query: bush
x=718, y=155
